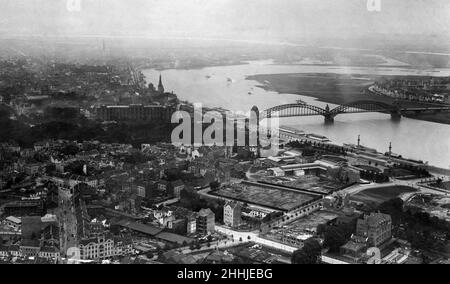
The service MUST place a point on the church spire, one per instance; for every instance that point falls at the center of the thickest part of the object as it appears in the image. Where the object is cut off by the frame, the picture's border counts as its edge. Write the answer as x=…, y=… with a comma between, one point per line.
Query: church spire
x=160, y=85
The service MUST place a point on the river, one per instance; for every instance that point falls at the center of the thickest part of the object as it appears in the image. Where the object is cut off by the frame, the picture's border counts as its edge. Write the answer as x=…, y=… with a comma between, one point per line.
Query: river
x=227, y=87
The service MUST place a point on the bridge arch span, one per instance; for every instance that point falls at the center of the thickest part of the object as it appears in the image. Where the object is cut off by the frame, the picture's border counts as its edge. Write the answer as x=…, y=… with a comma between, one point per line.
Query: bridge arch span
x=291, y=110
x=363, y=106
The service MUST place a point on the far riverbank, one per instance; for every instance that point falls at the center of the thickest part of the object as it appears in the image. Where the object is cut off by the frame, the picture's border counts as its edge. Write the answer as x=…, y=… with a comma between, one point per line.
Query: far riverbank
x=338, y=89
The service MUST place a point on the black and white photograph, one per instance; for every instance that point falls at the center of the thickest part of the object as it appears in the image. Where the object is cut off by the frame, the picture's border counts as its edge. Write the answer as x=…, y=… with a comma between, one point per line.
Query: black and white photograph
x=224, y=137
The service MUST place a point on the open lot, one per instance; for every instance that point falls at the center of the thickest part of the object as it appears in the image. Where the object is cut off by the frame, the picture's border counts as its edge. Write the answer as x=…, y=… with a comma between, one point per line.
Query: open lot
x=259, y=254
x=294, y=233
x=382, y=194
x=308, y=183
x=270, y=197
x=307, y=224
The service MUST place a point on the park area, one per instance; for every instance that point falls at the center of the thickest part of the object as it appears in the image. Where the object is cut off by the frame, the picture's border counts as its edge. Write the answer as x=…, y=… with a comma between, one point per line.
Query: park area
x=369, y=168
x=442, y=185
x=407, y=172
x=381, y=194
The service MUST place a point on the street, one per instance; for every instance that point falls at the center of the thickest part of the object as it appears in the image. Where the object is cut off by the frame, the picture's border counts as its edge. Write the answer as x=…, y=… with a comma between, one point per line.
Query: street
x=68, y=222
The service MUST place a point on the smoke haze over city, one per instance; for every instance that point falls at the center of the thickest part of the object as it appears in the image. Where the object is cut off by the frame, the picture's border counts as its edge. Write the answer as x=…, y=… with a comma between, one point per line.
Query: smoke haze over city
x=255, y=19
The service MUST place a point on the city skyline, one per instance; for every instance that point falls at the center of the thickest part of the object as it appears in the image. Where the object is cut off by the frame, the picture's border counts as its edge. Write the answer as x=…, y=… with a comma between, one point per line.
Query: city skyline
x=224, y=132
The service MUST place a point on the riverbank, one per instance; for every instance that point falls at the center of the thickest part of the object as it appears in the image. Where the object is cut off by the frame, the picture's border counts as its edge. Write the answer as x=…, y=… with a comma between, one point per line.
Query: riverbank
x=338, y=89
x=191, y=66
x=418, y=139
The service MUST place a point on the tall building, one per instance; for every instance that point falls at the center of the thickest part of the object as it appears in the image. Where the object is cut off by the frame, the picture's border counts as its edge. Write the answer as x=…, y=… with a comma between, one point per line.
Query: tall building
x=232, y=214
x=160, y=85
x=376, y=227
x=104, y=247
x=205, y=222
x=192, y=224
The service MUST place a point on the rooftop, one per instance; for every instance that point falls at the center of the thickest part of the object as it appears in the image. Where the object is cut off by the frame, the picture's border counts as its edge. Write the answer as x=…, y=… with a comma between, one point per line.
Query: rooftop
x=14, y=219
x=174, y=238
x=205, y=212
x=354, y=246
x=375, y=219
x=141, y=228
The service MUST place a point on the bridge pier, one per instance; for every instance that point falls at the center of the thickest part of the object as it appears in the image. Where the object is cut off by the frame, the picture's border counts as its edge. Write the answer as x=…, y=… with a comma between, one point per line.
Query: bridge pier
x=329, y=119
x=396, y=116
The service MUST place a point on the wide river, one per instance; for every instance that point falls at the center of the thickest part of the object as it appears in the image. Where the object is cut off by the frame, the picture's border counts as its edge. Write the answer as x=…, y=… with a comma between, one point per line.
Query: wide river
x=227, y=87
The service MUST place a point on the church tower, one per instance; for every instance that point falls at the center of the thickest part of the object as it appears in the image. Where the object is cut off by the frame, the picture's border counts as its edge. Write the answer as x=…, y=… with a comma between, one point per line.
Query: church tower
x=160, y=85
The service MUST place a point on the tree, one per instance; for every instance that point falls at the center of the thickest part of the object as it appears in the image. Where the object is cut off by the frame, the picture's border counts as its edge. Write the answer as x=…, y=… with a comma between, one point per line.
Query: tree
x=214, y=185
x=394, y=208
x=70, y=149
x=334, y=238
x=309, y=254
x=321, y=229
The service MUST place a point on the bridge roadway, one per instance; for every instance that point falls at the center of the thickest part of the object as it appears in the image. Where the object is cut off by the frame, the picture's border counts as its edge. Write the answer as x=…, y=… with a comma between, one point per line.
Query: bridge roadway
x=427, y=109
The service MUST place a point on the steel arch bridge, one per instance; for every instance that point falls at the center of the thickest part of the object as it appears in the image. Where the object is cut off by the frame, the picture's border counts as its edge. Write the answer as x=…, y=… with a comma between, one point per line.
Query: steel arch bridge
x=295, y=110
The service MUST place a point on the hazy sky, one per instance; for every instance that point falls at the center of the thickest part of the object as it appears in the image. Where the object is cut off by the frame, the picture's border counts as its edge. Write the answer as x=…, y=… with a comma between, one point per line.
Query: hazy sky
x=223, y=18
